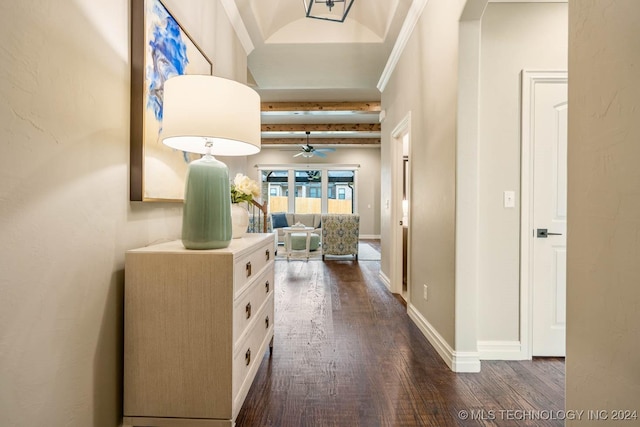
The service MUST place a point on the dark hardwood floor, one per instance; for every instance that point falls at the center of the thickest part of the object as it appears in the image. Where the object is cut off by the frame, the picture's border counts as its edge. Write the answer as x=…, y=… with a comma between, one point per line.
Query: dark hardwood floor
x=346, y=354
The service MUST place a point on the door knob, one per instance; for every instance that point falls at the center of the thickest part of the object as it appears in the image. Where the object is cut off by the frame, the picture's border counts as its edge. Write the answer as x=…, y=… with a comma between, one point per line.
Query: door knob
x=542, y=233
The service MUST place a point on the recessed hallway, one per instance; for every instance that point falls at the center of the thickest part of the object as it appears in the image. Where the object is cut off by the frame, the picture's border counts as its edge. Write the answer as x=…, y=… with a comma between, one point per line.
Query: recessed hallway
x=347, y=354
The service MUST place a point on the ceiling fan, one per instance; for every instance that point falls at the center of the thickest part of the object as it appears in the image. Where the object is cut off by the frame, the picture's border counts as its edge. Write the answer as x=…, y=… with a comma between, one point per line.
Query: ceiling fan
x=309, y=151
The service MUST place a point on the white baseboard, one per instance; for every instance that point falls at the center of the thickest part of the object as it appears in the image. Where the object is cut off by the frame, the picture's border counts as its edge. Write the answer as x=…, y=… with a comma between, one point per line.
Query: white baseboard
x=369, y=236
x=385, y=280
x=457, y=361
x=466, y=361
x=500, y=350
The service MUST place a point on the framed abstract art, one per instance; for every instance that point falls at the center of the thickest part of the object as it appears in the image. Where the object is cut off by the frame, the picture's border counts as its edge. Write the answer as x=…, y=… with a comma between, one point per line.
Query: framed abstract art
x=160, y=49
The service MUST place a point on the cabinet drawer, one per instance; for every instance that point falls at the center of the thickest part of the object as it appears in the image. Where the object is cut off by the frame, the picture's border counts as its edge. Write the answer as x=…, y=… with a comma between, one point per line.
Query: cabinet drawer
x=251, y=350
x=250, y=302
x=249, y=266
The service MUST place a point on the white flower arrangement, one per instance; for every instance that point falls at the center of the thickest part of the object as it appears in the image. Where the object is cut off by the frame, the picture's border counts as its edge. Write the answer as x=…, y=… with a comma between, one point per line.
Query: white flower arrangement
x=244, y=189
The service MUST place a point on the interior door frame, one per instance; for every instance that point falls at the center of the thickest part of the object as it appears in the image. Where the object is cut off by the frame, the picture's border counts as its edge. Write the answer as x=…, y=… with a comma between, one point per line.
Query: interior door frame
x=402, y=128
x=529, y=80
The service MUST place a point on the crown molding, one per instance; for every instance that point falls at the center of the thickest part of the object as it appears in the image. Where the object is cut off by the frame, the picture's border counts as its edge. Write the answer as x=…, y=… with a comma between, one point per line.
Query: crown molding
x=401, y=42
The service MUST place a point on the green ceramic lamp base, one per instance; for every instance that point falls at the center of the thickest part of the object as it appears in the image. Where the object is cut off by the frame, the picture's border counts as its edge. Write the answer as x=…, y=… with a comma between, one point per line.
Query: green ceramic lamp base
x=206, y=218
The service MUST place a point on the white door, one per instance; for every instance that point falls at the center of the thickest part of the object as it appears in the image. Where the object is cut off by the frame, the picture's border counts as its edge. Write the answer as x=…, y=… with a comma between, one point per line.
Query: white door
x=549, y=252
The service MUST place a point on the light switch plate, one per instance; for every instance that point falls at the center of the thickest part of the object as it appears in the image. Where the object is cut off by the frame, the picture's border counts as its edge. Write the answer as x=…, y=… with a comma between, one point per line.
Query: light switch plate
x=509, y=199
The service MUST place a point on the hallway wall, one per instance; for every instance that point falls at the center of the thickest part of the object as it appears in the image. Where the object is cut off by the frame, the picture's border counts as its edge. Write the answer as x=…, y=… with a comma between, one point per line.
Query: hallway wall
x=425, y=83
x=515, y=36
x=603, y=247
x=65, y=215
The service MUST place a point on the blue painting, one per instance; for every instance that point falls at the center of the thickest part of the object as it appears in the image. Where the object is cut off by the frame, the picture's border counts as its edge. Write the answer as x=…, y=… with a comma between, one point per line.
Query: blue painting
x=168, y=55
x=168, y=51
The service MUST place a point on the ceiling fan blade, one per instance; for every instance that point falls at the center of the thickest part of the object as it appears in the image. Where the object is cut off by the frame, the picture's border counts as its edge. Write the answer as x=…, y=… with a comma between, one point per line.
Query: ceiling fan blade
x=319, y=153
x=326, y=150
x=299, y=154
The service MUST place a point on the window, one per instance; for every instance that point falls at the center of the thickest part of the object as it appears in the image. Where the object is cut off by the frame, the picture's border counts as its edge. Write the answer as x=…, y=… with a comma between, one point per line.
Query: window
x=275, y=189
x=321, y=190
x=308, y=197
x=340, y=185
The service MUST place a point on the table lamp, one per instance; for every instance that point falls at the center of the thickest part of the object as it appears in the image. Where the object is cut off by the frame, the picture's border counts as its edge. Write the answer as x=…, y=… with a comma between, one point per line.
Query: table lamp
x=211, y=116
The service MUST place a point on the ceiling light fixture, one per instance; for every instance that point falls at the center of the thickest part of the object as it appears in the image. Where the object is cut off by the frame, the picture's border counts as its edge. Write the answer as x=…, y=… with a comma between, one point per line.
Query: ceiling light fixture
x=336, y=10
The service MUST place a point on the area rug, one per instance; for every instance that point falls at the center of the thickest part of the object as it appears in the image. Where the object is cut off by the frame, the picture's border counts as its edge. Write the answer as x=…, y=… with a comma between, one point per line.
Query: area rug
x=366, y=252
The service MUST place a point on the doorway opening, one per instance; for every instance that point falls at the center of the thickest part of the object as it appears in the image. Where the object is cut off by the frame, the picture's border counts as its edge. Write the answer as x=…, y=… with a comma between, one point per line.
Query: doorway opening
x=401, y=214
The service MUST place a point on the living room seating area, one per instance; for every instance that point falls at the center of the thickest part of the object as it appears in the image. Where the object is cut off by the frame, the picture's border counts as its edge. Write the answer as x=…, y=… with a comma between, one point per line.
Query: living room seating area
x=338, y=233
x=280, y=220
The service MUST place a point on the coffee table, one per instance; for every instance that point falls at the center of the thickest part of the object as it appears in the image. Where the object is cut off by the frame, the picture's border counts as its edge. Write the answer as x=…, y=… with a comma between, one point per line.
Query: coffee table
x=288, y=232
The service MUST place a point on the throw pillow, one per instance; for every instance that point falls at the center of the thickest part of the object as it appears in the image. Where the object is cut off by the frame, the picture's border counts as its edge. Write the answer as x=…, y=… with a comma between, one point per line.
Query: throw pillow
x=279, y=220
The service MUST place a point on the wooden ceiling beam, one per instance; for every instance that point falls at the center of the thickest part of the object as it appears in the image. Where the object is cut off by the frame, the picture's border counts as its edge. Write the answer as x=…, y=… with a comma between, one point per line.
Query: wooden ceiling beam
x=369, y=106
x=323, y=127
x=319, y=142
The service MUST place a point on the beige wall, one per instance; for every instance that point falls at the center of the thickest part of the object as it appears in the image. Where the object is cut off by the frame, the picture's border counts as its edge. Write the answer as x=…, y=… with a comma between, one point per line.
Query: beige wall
x=515, y=36
x=425, y=83
x=368, y=190
x=65, y=218
x=603, y=247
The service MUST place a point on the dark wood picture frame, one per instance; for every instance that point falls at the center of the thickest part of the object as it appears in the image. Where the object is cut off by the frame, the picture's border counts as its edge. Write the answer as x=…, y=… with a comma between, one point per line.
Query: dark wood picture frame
x=160, y=49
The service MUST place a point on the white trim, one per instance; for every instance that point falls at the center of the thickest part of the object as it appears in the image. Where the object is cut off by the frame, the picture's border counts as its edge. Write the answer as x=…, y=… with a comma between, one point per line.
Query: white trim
x=467, y=178
x=460, y=361
x=238, y=25
x=401, y=42
x=466, y=361
x=400, y=128
x=441, y=346
x=369, y=236
x=500, y=350
x=529, y=80
x=385, y=280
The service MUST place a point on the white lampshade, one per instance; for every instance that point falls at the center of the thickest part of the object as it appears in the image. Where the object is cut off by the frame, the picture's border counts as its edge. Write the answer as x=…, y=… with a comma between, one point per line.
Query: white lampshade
x=197, y=109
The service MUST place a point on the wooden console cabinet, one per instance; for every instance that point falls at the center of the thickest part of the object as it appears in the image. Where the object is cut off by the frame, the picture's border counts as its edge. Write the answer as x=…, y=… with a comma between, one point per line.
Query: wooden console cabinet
x=196, y=326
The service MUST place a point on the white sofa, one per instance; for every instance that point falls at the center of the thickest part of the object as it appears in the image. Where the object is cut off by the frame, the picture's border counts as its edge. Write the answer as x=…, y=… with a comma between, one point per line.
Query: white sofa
x=310, y=220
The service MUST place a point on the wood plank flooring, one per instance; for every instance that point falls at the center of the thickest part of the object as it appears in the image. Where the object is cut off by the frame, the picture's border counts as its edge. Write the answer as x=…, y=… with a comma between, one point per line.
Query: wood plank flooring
x=346, y=354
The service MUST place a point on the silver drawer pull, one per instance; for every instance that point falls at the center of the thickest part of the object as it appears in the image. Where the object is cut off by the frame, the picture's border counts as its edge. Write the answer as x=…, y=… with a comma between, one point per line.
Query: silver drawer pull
x=267, y=255
x=266, y=286
x=247, y=357
x=248, y=269
x=266, y=322
x=248, y=310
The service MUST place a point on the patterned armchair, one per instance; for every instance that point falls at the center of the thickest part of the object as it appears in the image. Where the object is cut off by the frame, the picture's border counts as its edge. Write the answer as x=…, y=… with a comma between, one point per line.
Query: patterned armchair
x=340, y=234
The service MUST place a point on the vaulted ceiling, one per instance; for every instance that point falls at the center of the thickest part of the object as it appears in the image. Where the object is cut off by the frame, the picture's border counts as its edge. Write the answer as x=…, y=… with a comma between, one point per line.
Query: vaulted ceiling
x=318, y=76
